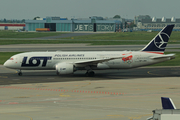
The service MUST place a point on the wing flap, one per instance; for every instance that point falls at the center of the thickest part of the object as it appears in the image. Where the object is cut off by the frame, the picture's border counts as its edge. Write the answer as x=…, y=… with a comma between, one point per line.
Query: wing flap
x=97, y=60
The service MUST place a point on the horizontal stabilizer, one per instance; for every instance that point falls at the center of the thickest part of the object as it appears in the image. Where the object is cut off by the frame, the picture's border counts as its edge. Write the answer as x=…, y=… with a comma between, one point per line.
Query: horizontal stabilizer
x=170, y=56
x=167, y=103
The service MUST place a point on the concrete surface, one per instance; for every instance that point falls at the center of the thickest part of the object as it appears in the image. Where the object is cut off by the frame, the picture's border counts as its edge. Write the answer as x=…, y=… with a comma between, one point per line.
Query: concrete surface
x=125, y=95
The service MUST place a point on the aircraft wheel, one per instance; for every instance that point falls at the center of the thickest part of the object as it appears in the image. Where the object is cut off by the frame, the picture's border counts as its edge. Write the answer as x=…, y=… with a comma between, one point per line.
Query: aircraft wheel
x=20, y=73
x=86, y=73
x=57, y=73
x=91, y=73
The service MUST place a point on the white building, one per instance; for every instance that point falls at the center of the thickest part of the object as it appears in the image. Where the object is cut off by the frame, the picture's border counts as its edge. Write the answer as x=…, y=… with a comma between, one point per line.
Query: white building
x=156, y=24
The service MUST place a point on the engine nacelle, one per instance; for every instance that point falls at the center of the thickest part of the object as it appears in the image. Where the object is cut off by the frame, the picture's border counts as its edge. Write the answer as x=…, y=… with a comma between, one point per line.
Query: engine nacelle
x=64, y=68
x=102, y=66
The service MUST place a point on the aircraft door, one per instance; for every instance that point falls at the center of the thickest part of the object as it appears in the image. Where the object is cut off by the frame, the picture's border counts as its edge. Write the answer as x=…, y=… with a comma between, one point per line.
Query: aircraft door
x=49, y=63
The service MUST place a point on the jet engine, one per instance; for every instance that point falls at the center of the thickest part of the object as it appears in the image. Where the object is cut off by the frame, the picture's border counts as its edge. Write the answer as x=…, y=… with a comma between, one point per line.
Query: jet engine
x=64, y=68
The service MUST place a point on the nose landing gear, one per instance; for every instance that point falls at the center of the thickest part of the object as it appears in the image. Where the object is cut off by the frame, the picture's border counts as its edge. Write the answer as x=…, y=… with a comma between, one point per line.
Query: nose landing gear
x=19, y=73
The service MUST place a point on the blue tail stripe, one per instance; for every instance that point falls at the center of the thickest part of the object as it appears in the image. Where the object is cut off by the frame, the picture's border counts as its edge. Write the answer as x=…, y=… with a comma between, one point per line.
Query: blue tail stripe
x=159, y=42
x=166, y=103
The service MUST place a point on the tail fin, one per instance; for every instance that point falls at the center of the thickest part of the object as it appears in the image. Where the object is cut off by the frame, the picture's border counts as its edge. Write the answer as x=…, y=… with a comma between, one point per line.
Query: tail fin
x=167, y=103
x=159, y=42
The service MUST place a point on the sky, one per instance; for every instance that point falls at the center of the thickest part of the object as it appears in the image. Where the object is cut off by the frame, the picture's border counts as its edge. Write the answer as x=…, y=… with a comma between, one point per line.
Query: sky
x=28, y=9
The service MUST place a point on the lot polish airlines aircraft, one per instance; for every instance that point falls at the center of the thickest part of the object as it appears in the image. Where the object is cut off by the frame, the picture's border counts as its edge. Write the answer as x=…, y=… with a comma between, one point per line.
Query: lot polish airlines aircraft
x=69, y=62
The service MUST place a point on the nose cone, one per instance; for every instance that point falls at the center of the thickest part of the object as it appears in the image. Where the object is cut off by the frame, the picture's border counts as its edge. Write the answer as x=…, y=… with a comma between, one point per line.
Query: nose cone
x=5, y=64
x=8, y=64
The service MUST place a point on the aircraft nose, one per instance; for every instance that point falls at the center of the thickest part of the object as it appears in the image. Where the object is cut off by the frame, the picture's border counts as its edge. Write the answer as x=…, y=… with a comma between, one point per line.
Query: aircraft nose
x=7, y=64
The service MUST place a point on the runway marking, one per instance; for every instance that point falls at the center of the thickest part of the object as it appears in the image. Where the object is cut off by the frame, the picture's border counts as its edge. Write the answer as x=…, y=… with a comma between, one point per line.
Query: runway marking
x=149, y=72
x=3, y=77
x=13, y=103
x=63, y=90
x=140, y=116
x=61, y=95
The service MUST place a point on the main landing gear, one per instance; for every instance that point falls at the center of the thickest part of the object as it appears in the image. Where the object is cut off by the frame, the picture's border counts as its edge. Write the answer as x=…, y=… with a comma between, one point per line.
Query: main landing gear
x=90, y=73
x=19, y=73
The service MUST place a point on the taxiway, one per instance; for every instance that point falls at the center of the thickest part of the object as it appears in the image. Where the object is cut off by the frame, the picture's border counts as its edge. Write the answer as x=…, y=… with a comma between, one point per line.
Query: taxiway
x=112, y=95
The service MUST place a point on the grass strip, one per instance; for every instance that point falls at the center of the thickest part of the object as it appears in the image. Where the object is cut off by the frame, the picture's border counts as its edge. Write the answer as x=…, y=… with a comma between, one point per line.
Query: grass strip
x=139, y=35
x=92, y=42
x=14, y=34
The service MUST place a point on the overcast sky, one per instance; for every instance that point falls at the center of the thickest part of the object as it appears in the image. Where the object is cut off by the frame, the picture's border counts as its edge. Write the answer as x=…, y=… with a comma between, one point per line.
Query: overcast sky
x=28, y=9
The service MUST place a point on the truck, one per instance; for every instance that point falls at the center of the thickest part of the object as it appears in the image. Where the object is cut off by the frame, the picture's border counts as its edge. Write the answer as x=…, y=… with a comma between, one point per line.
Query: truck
x=169, y=111
x=42, y=29
x=165, y=114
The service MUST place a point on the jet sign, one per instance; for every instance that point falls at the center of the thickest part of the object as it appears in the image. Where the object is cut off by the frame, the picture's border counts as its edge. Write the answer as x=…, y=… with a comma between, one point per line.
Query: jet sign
x=83, y=27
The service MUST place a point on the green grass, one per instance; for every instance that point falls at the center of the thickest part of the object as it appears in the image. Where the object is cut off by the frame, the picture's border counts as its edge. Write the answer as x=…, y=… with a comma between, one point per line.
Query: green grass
x=104, y=42
x=140, y=35
x=136, y=38
x=175, y=62
x=6, y=55
x=13, y=34
x=126, y=36
x=91, y=42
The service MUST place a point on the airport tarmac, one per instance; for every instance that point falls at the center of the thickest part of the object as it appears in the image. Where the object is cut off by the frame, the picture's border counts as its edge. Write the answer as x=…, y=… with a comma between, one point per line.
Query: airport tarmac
x=110, y=95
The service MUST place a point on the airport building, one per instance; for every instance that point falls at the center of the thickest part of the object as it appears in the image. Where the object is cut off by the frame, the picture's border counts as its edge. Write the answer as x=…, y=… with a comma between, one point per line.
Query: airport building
x=12, y=26
x=156, y=24
x=92, y=24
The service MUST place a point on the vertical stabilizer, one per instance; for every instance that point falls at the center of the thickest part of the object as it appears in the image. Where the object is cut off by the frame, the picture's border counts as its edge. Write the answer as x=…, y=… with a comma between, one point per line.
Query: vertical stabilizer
x=159, y=42
x=167, y=103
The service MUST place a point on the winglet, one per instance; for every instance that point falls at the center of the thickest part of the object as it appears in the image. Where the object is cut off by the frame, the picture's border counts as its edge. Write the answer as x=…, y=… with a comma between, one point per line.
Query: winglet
x=159, y=42
x=167, y=103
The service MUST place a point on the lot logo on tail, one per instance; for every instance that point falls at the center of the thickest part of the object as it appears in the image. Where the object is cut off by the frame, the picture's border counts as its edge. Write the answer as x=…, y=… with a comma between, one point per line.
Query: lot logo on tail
x=160, y=40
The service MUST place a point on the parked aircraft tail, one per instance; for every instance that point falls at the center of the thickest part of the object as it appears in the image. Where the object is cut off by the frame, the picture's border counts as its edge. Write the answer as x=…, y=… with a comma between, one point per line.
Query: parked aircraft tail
x=167, y=103
x=159, y=42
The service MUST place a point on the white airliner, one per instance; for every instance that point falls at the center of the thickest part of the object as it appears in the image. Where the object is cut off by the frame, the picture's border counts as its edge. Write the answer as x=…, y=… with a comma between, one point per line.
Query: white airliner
x=69, y=62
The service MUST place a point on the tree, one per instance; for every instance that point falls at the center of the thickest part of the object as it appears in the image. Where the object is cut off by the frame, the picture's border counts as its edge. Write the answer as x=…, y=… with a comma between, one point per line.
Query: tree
x=5, y=20
x=23, y=20
x=117, y=16
x=36, y=17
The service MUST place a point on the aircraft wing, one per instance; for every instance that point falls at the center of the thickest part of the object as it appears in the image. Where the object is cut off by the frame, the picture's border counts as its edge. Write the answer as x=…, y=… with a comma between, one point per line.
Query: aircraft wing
x=96, y=61
x=170, y=56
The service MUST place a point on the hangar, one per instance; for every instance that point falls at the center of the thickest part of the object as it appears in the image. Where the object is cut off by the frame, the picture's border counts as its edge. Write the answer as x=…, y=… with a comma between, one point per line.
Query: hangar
x=12, y=26
x=91, y=24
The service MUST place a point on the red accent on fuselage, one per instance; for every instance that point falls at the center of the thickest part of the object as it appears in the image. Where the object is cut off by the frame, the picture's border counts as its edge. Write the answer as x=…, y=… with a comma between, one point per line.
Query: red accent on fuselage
x=127, y=58
x=154, y=52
